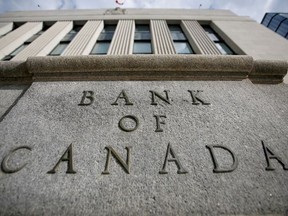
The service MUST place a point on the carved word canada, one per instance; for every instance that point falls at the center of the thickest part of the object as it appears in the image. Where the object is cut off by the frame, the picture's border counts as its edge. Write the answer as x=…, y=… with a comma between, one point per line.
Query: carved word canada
x=169, y=156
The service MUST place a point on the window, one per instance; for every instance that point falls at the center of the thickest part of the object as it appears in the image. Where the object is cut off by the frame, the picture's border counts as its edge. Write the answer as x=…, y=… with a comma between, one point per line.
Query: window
x=142, y=40
x=283, y=28
x=180, y=41
x=275, y=22
x=220, y=44
x=24, y=45
x=65, y=41
x=104, y=40
x=267, y=19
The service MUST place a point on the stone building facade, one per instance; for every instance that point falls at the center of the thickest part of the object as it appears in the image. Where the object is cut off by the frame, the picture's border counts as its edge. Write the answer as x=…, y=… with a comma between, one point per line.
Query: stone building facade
x=142, y=112
x=195, y=34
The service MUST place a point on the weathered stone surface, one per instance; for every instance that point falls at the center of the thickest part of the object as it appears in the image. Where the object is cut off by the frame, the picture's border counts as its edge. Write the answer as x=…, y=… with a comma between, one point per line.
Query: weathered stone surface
x=14, y=72
x=161, y=63
x=143, y=67
x=9, y=94
x=268, y=71
x=241, y=116
x=285, y=79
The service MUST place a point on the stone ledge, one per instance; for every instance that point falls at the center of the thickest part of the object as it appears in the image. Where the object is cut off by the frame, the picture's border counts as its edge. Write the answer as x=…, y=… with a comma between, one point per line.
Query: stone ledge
x=13, y=69
x=14, y=72
x=127, y=76
x=151, y=63
x=143, y=67
x=140, y=67
x=268, y=71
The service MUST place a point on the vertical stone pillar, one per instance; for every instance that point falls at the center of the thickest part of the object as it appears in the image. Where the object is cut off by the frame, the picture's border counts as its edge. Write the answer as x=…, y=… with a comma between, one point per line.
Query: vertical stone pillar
x=162, y=42
x=122, y=42
x=46, y=42
x=85, y=39
x=198, y=38
x=16, y=38
x=5, y=27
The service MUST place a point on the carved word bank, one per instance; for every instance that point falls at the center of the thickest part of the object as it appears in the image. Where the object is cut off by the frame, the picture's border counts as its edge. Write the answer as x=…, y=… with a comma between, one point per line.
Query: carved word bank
x=169, y=158
x=88, y=99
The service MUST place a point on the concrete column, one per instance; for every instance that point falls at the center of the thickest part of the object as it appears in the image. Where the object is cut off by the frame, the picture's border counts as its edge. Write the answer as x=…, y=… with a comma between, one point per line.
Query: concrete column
x=197, y=37
x=161, y=38
x=16, y=38
x=122, y=42
x=5, y=27
x=46, y=42
x=85, y=39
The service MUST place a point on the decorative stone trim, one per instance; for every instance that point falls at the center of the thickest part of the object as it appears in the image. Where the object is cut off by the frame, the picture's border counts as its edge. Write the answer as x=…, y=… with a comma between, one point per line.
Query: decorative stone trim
x=143, y=67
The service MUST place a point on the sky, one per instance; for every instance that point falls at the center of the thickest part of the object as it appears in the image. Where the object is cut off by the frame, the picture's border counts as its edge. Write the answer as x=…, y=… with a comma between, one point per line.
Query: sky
x=252, y=8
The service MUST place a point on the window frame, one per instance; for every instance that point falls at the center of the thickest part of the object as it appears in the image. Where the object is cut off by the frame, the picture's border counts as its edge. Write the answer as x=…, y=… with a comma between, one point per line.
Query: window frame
x=142, y=40
x=108, y=30
x=62, y=43
x=183, y=39
x=218, y=41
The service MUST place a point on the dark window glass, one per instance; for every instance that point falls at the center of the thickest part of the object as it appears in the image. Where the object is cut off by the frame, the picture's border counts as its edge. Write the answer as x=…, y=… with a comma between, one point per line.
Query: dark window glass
x=19, y=49
x=106, y=36
x=142, y=47
x=182, y=47
x=220, y=44
x=265, y=22
x=142, y=32
x=59, y=49
x=7, y=58
x=180, y=41
x=142, y=28
x=142, y=40
x=109, y=28
x=274, y=24
x=142, y=36
x=176, y=32
x=283, y=28
x=211, y=34
x=103, y=42
x=267, y=18
x=34, y=37
x=178, y=36
x=69, y=37
x=101, y=48
x=224, y=49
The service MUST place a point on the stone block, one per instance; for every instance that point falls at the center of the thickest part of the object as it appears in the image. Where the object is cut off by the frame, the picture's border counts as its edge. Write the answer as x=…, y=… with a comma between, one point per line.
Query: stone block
x=199, y=148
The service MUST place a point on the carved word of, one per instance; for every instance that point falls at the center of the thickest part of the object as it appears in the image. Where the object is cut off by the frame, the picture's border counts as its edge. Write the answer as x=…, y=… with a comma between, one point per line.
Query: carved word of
x=88, y=98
